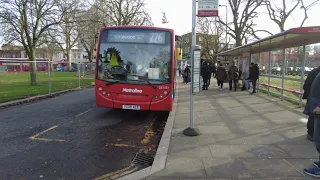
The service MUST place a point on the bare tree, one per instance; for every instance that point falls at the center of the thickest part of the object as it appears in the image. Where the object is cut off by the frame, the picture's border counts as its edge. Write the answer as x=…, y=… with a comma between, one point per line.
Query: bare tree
x=212, y=37
x=124, y=12
x=50, y=48
x=306, y=8
x=66, y=32
x=243, y=14
x=87, y=27
x=280, y=14
x=109, y=13
x=24, y=22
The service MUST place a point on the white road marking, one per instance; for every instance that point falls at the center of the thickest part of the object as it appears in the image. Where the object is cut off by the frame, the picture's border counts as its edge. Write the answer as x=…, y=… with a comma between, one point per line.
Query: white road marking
x=84, y=112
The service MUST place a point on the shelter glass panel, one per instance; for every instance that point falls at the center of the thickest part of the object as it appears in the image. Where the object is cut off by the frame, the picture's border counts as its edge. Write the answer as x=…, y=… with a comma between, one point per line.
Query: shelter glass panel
x=291, y=85
x=276, y=58
x=264, y=63
x=255, y=58
x=293, y=62
x=312, y=57
x=275, y=82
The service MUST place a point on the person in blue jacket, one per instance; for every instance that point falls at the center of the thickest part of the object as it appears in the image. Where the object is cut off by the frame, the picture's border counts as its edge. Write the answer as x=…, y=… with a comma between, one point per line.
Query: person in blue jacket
x=313, y=109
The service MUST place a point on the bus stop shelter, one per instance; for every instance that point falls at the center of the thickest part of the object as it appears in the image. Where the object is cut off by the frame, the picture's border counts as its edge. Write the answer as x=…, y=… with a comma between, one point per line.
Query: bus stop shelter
x=284, y=60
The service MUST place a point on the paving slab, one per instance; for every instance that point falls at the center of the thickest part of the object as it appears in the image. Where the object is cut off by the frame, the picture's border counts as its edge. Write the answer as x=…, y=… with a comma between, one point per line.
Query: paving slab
x=181, y=143
x=183, y=167
x=300, y=151
x=242, y=136
x=265, y=107
x=270, y=168
x=225, y=168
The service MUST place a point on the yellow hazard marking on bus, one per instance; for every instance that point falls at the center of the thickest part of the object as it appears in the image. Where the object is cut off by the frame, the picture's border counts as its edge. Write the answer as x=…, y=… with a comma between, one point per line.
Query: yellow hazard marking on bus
x=35, y=137
x=112, y=173
x=121, y=145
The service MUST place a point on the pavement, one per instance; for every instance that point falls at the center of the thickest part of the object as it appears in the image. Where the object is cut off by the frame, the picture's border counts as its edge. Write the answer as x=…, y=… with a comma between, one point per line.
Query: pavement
x=242, y=136
x=68, y=137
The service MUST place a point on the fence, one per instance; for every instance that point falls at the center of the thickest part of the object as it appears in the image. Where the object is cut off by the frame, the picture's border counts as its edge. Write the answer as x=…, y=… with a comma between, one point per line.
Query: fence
x=15, y=78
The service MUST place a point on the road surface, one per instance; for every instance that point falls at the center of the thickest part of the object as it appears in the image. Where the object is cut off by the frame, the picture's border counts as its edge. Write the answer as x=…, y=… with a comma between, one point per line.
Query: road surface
x=68, y=137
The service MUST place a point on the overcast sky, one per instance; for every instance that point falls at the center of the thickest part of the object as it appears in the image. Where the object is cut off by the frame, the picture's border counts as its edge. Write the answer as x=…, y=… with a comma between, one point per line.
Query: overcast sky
x=179, y=12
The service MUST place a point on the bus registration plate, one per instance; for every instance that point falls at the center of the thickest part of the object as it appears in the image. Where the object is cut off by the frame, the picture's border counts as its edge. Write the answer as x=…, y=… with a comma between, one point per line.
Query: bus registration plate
x=133, y=107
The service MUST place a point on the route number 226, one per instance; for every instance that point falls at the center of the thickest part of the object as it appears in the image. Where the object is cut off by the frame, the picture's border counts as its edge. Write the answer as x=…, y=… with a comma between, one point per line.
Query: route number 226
x=156, y=37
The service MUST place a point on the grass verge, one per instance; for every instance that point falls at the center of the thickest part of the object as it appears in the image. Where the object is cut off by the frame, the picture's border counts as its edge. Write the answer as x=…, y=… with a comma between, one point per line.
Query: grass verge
x=15, y=86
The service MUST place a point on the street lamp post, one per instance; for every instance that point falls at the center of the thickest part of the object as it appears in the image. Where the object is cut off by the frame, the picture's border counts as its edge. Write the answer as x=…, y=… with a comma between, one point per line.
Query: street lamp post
x=226, y=24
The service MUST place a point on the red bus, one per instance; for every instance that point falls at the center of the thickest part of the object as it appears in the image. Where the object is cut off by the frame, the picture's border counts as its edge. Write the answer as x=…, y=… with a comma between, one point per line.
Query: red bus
x=18, y=64
x=135, y=68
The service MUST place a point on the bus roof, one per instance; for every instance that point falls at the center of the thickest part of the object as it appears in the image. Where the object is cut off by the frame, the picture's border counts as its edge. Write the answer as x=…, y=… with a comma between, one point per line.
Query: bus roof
x=290, y=38
x=136, y=27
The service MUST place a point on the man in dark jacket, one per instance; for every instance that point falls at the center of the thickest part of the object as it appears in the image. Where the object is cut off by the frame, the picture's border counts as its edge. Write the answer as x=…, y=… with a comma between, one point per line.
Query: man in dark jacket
x=254, y=76
x=306, y=87
x=313, y=109
x=212, y=72
x=205, y=73
x=233, y=75
x=213, y=69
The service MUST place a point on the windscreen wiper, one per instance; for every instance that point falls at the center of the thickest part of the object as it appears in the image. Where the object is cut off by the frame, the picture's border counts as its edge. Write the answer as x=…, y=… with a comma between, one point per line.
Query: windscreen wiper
x=154, y=86
x=112, y=82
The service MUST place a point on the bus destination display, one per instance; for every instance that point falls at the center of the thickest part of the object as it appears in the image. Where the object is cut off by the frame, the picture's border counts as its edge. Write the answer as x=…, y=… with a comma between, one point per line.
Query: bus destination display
x=131, y=36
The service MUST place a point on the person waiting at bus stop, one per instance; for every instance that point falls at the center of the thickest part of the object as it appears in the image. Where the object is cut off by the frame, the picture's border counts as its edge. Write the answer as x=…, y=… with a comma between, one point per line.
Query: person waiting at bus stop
x=313, y=109
x=221, y=75
x=306, y=87
x=186, y=74
x=254, y=76
x=233, y=75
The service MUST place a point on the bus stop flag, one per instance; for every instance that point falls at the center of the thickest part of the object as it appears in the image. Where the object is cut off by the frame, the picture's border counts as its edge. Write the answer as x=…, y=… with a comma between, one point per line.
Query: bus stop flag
x=208, y=8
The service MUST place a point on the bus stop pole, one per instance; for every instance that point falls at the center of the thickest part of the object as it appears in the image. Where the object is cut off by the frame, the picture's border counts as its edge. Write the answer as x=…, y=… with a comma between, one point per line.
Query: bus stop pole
x=191, y=131
x=49, y=77
x=303, y=65
x=79, y=74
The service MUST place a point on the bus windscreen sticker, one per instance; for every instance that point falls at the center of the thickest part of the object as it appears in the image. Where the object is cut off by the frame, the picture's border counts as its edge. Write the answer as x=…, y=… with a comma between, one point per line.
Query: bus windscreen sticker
x=150, y=37
x=153, y=73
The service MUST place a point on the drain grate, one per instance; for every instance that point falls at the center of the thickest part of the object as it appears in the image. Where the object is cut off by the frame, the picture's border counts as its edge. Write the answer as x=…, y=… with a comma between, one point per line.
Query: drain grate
x=143, y=159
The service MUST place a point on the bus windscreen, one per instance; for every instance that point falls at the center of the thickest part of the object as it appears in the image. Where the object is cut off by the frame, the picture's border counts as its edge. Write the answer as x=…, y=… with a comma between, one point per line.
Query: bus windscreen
x=135, y=56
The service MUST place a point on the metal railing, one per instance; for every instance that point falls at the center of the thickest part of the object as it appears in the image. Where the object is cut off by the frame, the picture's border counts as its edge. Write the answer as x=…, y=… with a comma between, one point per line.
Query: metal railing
x=15, y=78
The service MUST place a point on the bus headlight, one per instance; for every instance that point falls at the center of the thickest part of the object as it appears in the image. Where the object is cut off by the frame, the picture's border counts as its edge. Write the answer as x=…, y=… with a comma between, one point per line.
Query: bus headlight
x=103, y=92
x=100, y=89
x=165, y=92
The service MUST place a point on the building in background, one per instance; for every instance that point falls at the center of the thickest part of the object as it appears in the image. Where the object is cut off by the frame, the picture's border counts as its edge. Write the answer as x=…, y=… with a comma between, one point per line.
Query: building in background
x=208, y=42
x=77, y=54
